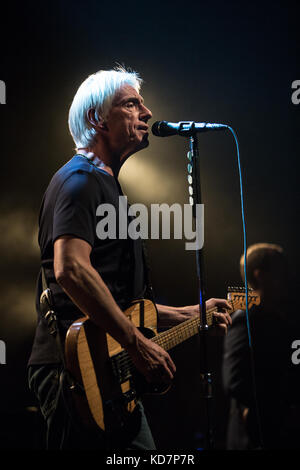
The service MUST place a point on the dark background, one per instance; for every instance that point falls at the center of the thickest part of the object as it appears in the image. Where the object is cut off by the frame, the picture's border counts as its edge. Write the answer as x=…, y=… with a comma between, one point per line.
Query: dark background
x=230, y=62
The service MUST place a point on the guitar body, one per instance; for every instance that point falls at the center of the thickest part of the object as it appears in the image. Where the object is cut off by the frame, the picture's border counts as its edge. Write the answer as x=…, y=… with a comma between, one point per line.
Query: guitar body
x=95, y=361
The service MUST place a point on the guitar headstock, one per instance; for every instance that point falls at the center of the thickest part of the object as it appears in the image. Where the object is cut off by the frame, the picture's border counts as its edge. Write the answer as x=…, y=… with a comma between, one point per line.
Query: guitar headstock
x=237, y=297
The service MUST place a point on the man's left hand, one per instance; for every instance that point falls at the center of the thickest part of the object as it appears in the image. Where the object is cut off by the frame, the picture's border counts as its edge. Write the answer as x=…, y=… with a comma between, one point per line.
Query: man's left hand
x=222, y=318
x=171, y=316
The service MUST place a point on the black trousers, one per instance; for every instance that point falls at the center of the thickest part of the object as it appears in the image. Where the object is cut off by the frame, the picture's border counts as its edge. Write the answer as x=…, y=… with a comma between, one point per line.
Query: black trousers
x=64, y=431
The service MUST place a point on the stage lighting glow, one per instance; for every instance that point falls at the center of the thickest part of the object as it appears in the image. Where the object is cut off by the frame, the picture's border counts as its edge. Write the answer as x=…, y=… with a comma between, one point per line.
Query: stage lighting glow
x=143, y=179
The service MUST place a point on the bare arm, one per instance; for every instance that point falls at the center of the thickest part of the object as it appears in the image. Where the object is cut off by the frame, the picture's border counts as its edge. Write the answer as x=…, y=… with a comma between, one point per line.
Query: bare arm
x=83, y=284
x=171, y=316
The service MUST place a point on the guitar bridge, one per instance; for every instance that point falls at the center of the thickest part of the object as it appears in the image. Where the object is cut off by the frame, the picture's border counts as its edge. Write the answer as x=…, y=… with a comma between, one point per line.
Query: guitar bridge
x=123, y=399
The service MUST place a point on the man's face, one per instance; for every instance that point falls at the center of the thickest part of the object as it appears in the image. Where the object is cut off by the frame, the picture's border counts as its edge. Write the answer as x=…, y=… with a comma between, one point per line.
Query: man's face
x=127, y=128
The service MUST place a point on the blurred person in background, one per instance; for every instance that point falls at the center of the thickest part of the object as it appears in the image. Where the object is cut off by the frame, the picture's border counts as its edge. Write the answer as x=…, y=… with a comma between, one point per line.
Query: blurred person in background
x=274, y=325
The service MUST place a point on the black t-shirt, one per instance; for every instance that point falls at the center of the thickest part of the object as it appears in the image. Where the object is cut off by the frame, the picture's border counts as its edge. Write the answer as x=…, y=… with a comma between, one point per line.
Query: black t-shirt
x=69, y=207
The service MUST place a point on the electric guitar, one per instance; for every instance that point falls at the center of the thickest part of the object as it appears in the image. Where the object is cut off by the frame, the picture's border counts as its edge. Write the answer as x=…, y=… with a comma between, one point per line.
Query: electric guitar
x=106, y=383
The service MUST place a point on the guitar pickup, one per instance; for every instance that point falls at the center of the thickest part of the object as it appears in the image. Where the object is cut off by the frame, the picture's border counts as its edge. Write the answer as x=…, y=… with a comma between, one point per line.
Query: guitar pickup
x=120, y=367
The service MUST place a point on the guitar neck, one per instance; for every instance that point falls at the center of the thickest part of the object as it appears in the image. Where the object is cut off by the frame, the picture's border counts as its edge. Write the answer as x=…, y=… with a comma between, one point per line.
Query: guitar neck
x=185, y=330
x=180, y=333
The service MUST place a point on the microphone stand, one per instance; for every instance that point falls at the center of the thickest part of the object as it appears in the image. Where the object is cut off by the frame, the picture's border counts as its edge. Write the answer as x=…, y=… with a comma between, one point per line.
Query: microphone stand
x=206, y=376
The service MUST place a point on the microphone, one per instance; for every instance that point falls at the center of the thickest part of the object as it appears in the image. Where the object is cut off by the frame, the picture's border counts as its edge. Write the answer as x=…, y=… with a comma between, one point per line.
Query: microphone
x=184, y=128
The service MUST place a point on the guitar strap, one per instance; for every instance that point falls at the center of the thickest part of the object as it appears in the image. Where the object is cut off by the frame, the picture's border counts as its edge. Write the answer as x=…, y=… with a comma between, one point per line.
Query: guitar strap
x=49, y=316
x=67, y=384
x=149, y=294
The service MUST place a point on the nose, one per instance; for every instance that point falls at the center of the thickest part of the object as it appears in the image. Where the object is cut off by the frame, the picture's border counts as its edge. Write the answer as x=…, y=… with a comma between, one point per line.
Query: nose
x=145, y=114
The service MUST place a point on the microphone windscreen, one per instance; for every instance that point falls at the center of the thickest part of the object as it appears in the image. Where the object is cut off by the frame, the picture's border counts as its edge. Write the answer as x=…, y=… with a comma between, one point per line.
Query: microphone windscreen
x=164, y=128
x=155, y=128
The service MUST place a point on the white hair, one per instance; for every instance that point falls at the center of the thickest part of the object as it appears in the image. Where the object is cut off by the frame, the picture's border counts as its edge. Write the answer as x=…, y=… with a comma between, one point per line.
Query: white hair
x=97, y=92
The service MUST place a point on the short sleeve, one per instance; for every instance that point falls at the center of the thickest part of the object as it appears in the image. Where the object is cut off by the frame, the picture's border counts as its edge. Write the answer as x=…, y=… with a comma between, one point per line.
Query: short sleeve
x=75, y=207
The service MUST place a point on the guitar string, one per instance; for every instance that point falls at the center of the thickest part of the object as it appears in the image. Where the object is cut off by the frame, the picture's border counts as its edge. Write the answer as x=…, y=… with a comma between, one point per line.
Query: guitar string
x=188, y=324
x=166, y=337
x=169, y=339
x=185, y=327
x=126, y=360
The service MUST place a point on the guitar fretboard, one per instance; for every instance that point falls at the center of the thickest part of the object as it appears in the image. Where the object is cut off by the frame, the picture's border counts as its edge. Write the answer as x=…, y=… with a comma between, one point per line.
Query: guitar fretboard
x=180, y=333
x=122, y=363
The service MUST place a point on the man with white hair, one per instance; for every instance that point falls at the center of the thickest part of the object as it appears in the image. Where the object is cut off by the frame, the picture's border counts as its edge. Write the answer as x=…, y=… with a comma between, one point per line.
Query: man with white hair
x=108, y=121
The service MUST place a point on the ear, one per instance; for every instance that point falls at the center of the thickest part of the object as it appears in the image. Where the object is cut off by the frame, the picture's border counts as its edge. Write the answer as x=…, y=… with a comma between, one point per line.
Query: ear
x=96, y=120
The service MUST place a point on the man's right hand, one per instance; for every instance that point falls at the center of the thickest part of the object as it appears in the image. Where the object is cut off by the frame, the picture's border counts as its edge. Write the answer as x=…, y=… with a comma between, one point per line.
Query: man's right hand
x=151, y=360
